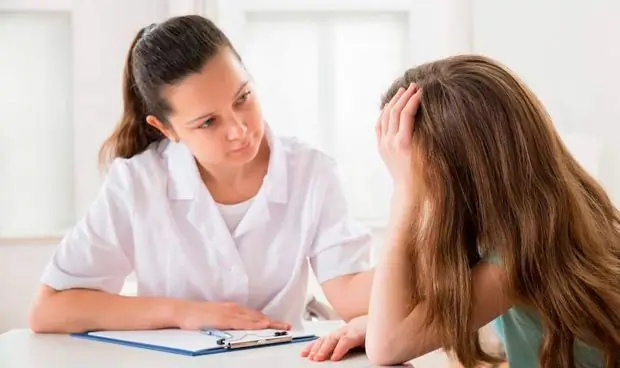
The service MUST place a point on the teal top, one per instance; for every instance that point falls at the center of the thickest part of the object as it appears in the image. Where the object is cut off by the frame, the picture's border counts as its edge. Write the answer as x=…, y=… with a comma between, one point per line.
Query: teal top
x=521, y=332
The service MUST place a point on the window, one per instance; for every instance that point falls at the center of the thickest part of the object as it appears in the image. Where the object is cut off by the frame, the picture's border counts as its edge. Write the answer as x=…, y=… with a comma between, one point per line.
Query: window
x=60, y=97
x=321, y=67
x=320, y=77
x=36, y=125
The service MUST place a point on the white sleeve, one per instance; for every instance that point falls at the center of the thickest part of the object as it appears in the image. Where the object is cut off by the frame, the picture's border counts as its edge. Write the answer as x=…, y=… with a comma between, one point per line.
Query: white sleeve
x=341, y=246
x=97, y=252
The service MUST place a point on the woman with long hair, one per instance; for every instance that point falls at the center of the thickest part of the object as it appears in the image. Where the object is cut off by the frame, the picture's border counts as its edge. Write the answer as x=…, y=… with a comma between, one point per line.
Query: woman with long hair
x=492, y=219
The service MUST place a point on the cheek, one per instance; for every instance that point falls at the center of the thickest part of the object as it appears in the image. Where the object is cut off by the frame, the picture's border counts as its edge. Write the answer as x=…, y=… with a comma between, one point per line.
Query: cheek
x=206, y=147
x=253, y=116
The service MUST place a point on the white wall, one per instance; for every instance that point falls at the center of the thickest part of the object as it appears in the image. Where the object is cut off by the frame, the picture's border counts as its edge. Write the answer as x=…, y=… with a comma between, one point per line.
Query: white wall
x=20, y=268
x=567, y=52
x=100, y=51
x=36, y=71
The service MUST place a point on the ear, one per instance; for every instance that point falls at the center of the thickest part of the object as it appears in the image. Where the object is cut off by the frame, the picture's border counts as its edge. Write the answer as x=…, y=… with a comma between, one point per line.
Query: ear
x=163, y=128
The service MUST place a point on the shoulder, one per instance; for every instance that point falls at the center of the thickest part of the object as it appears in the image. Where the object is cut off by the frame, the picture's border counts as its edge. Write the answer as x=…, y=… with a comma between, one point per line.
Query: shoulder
x=492, y=258
x=142, y=171
x=152, y=160
x=303, y=157
x=312, y=175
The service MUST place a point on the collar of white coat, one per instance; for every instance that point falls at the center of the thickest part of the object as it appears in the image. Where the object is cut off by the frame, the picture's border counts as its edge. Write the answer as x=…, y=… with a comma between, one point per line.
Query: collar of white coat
x=185, y=182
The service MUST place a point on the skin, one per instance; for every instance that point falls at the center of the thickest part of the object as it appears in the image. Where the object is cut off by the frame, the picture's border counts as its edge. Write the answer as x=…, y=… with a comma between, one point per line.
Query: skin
x=394, y=333
x=216, y=114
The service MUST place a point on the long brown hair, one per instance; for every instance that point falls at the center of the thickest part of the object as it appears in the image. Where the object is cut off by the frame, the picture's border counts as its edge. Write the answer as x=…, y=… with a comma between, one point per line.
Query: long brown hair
x=499, y=180
x=160, y=54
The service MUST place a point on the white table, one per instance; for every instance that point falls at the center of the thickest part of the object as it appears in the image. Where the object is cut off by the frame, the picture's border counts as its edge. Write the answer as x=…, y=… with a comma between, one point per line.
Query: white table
x=24, y=349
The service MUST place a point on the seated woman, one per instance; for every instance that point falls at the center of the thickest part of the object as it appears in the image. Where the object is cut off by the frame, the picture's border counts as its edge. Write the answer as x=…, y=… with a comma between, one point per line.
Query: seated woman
x=492, y=219
x=218, y=217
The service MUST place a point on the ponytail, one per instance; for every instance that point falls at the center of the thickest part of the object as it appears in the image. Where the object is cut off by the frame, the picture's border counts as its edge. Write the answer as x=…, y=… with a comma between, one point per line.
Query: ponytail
x=132, y=135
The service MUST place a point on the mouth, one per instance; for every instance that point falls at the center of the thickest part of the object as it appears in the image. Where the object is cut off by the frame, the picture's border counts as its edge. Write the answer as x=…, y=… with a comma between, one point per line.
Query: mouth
x=243, y=147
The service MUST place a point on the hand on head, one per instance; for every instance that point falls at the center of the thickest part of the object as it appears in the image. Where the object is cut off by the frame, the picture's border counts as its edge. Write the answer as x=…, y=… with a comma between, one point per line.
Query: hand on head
x=394, y=131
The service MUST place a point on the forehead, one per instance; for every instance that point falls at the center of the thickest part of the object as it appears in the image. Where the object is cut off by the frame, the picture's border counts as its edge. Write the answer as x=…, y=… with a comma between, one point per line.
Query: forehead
x=209, y=89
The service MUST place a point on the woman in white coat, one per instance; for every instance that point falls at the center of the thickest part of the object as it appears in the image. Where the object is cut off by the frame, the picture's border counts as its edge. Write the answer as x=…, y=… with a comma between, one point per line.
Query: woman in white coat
x=219, y=219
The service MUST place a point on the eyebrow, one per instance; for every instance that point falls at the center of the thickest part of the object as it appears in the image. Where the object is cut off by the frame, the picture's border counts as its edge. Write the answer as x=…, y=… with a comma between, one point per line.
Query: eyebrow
x=243, y=85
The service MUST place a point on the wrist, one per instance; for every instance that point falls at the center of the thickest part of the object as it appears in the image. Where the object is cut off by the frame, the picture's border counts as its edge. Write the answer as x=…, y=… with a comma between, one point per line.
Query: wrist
x=403, y=208
x=403, y=194
x=175, y=311
x=404, y=220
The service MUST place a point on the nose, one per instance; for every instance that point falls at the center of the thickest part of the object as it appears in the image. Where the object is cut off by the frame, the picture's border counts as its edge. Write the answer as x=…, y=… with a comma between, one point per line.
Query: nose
x=236, y=128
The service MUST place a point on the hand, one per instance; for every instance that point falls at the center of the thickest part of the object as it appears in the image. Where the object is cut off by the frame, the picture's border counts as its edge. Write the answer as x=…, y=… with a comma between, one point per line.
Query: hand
x=335, y=345
x=394, y=137
x=193, y=315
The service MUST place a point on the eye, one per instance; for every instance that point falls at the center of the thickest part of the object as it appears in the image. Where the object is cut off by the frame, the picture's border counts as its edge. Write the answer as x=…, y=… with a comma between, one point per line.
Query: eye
x=243, y=98
x=206, y=123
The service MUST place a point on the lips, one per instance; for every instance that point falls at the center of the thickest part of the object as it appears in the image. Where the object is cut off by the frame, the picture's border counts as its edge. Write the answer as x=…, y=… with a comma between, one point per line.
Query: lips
x=242, y=147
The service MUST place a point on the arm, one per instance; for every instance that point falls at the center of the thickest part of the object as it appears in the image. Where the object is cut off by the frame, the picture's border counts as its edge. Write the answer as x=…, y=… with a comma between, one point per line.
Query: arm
x=80, y=310
x=349, y=295
x=88, y=270
x=395, y=332
x=90, y=264
x=340, y=252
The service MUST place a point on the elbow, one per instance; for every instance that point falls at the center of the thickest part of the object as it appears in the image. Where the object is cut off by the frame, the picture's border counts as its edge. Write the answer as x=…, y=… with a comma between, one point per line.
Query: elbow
x=348, y=311
x=37, y=321
x=390, y=350
x=46, y=316
x=38, y=316
x=382, y=354
x=348, y=315
x=41, y=322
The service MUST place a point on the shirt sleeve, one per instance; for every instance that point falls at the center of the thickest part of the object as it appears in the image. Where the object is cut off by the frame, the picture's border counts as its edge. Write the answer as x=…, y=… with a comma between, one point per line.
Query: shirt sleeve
x=341, y=246
x=96, y=252
x=493, y=258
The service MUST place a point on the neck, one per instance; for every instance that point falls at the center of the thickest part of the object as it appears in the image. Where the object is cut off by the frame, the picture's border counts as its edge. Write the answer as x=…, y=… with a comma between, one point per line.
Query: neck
x=235, y=176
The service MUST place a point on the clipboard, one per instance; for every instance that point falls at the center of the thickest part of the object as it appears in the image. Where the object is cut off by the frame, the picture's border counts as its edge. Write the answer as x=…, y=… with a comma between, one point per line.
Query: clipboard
x=195, y=343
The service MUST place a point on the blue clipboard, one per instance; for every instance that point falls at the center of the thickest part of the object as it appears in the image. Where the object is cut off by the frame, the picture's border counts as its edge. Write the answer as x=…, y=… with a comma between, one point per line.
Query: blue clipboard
x=189, y=343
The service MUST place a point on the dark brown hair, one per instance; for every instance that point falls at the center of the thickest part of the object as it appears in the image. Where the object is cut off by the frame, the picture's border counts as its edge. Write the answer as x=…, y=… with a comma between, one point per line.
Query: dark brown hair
x=499, y=180
x=160, y=54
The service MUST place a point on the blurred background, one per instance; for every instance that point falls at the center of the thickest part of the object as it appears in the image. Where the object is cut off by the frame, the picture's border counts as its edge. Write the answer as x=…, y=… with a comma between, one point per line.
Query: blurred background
x=320, y=66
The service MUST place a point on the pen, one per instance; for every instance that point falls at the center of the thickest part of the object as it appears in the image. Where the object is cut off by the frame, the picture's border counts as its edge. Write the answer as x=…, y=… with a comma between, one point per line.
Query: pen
x=222, y=335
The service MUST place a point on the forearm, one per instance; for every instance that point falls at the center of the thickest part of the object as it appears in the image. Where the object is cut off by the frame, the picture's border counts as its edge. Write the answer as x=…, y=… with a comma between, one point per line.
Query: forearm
x=87, y=310
x=391, y=320
x=354, y=296
x=390, y=301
